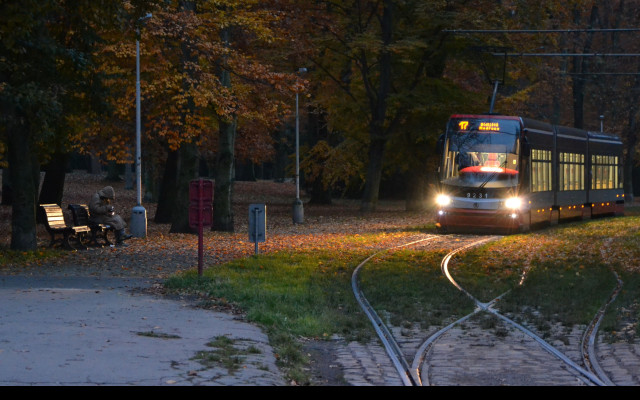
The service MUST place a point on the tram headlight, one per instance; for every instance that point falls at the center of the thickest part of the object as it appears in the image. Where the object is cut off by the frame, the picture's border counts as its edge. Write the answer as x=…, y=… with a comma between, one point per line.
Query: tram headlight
x=513, y=203
x=443, y=200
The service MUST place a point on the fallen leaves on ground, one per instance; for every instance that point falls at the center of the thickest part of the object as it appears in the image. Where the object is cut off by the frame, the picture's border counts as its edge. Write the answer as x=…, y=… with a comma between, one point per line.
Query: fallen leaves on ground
x=160, y=254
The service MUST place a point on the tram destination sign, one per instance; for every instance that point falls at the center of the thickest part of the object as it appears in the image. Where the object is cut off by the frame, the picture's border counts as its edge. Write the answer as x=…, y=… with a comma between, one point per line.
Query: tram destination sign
x=481, y=126
x=485, y=125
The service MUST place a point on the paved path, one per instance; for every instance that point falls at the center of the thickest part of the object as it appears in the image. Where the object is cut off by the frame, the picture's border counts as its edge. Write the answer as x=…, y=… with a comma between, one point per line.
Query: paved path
x=89, y=331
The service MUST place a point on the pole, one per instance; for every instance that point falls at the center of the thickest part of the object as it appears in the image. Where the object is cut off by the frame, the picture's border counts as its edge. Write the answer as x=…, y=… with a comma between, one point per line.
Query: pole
x=138, y=226
x=200, y=226
x=298, y=207
x=255, y=213
x=138, y=125
x=297, y=150
x=493, y=98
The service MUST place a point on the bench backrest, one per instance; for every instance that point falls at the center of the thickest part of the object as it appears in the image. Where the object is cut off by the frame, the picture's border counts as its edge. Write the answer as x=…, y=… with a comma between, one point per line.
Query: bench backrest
x=55, y=217
x=80, y=213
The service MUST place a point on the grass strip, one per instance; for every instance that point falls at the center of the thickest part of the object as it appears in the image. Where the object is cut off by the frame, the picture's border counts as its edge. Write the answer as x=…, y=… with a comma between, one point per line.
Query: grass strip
x=292, y=295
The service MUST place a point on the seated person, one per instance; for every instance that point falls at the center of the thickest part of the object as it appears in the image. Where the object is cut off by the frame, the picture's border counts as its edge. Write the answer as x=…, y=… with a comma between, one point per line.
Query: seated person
x=103, y=212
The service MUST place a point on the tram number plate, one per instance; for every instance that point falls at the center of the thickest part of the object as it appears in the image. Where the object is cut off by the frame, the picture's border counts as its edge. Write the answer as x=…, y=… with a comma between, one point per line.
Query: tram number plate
x=477, y=195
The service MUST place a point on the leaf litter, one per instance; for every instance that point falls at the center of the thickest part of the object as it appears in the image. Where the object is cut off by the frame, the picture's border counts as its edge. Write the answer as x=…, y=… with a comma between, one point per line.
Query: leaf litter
x=161, y=254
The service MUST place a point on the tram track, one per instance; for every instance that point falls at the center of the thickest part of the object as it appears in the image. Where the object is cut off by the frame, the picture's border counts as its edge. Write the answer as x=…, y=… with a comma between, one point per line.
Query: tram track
x=388, y=341
x=588, y=341
x=411, y=372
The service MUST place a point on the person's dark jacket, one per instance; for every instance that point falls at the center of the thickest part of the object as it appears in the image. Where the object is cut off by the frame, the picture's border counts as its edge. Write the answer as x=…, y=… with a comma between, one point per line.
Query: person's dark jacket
x=102, y=211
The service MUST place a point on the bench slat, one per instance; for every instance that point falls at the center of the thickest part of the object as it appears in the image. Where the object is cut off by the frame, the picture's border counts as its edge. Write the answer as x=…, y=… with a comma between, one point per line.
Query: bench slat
x=56, y=225
x=54, y=215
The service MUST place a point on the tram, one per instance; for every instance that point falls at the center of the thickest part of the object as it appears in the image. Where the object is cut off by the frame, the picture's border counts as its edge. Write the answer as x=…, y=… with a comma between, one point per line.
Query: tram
x=511, y=173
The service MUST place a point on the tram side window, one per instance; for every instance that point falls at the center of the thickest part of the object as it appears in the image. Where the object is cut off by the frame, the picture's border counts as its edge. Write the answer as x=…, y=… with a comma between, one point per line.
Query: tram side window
x=541, y=177
x=571, y=174
x=606, y=172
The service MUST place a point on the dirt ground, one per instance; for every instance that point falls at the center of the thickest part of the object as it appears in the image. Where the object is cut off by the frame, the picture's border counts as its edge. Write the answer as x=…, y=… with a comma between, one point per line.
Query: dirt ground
x=162, y=253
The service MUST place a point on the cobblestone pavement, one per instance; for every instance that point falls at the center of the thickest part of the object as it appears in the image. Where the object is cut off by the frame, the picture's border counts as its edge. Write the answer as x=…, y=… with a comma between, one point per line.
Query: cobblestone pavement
x=468, y=355
x=621, y=362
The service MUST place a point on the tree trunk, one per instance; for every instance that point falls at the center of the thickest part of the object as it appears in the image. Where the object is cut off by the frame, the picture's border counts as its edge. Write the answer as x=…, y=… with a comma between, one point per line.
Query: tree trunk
x=188, y=160
x=53, y=183
x=23, y=163
x=113, y=172
x=319, y=194
x=128, y=176
x=7, y=196
x=317, y=130
x=374, y=176
x=94, y=166
x=581, y=66
x=187, y=171
x=632, y=140
x=378, y=102
x=631, y=136
x=417, y=193
x=223, y=193
x=167, y=196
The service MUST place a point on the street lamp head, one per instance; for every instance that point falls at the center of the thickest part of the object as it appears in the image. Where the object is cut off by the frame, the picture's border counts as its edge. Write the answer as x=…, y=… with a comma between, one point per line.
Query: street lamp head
x=141, y=20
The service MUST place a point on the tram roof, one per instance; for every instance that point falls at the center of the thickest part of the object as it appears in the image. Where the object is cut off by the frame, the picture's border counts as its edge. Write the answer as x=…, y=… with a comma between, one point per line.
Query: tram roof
x=487, y=116
x=537, y=124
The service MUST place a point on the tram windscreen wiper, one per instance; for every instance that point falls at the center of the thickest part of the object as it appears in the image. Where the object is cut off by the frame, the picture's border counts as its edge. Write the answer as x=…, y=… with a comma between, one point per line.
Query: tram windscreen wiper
x=494, y=173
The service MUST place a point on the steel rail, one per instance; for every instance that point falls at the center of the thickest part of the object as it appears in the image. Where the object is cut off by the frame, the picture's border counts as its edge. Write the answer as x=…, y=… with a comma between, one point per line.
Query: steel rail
x=549, y=348
x=588, y=341
x=411, y=375
x=420, y=355
x=445, y=269
x=487, y=307
x=422, y=350
x=390, y=345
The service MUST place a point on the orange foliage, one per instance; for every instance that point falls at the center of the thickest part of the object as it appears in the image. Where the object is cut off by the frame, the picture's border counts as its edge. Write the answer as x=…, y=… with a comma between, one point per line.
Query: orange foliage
x=182, y=54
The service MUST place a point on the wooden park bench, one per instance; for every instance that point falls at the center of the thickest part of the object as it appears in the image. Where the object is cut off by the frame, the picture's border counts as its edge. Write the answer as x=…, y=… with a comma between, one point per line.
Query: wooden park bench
x=82, y=217
x=59, y=230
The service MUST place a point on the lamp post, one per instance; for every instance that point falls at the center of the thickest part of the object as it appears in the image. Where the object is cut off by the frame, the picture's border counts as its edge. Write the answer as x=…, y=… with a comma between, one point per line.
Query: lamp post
x=138, y=226
x=298, y=208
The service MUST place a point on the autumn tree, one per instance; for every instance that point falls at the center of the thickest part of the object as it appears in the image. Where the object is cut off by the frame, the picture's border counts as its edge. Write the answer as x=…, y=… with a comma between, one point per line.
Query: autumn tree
x=383, y=65
x=573, y=86
x=211, y=86
x=45, y=85
x=611, y=85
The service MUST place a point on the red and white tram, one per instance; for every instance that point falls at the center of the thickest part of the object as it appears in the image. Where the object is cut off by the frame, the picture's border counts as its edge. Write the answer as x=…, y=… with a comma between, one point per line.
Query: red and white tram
x=510, y=173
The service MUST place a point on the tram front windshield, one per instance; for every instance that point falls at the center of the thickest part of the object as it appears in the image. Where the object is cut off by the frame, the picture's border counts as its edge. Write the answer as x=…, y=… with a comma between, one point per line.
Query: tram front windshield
x=481, y=153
